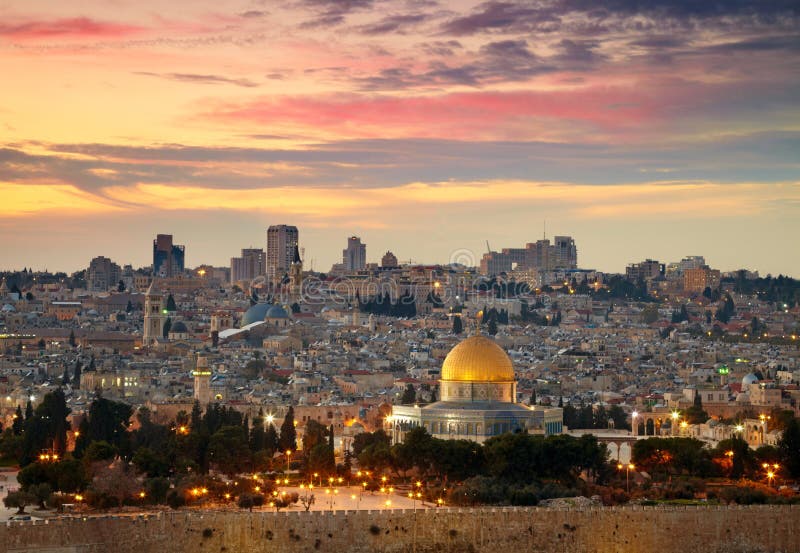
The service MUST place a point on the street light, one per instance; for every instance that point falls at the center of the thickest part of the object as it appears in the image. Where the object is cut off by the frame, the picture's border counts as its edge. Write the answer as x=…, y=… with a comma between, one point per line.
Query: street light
x=629, y=467
x=288, y=456
x=772, y=470
x=675, y=416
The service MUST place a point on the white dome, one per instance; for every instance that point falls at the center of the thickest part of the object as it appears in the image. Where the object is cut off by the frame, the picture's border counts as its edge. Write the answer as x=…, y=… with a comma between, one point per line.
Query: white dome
x=749, y=379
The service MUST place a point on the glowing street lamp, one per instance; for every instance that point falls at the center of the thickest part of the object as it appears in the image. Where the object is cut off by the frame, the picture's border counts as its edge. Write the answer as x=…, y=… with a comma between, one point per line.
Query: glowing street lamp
x=629, y=467
x=675, y=416
x=288, y=457
x=634, y=427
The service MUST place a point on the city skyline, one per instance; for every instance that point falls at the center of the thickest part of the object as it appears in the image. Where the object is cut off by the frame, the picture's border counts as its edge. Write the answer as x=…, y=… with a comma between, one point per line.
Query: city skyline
x=644, y=130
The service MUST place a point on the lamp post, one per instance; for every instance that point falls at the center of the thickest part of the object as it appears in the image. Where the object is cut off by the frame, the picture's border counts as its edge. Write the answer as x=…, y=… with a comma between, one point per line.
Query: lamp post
x=288, y=457
x=629, y=467
x=675, y=416
x=772, y=470
x=634, y=427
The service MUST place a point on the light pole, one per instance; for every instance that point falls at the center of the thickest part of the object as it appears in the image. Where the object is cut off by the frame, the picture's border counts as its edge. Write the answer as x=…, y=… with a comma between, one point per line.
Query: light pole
x=629, y=467
x=675, y=416
x=288, y=457
x=772, y=470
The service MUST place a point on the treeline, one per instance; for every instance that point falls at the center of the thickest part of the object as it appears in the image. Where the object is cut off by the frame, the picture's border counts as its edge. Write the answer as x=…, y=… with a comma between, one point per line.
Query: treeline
x=510, y=468
x=781, y=289
x=405, y=306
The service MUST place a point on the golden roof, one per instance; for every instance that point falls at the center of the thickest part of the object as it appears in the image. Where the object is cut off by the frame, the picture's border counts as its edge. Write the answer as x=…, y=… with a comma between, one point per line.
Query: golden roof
x=478, y=359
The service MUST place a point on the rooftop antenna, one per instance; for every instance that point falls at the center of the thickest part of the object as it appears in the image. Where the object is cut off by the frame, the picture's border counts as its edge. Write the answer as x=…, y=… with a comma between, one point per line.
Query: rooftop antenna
x=544, y=232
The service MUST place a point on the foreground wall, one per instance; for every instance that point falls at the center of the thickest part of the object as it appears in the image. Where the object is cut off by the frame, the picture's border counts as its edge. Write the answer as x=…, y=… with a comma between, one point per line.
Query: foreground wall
x=489, y=530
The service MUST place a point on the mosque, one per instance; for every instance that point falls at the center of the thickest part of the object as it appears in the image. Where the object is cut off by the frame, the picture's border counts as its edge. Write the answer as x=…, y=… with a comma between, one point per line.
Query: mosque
x=478, y=399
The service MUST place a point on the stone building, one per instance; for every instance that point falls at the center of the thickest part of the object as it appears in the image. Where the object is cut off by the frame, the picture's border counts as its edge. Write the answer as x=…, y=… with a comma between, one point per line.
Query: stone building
x=478, y=399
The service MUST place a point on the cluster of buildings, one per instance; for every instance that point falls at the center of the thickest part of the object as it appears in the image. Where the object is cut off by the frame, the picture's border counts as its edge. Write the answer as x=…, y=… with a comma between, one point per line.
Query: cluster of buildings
x=168, y=337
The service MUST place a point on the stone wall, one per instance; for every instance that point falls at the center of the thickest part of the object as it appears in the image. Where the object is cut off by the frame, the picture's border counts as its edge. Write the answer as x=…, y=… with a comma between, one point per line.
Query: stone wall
x=489, y=530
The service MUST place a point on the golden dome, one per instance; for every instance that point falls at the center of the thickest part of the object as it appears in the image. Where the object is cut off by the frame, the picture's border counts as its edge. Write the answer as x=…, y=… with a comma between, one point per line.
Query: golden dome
x=477, y=359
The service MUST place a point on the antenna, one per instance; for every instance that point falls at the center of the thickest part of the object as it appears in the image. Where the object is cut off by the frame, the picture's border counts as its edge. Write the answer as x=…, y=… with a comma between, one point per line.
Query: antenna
x=544, y=232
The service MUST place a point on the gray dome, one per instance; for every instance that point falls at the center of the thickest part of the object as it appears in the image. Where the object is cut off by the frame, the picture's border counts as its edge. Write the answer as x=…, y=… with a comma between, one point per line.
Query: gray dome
x=179, y=328
x=277, y=312
x=256, y=313
x=749, y=379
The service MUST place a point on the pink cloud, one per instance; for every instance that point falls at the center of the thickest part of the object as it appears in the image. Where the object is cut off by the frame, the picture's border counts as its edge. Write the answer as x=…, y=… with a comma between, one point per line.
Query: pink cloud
x=469, y=115
x=78, y=27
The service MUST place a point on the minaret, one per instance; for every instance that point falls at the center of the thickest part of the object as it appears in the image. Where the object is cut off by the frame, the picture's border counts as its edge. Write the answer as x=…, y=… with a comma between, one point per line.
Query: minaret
x=296, y=275
x=154, y=316
x=202, y=381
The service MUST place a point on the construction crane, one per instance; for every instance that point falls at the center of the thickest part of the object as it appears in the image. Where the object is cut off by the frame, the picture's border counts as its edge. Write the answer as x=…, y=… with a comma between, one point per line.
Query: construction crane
x=488, y=248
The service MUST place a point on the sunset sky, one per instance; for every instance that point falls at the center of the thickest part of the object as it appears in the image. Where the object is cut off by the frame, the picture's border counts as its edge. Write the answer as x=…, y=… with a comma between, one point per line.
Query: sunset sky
x=642, y=128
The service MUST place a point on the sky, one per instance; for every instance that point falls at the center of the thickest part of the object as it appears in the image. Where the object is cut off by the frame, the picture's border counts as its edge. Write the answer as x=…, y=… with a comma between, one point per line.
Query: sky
x=431, y=128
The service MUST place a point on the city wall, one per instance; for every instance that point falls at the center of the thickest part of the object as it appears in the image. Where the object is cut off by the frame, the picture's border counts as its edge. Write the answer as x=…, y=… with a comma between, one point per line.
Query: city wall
x=490, y=530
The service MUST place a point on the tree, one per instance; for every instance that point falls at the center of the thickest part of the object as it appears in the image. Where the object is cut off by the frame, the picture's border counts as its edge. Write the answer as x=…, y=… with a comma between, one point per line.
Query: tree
x=115, y=481
x=171, y=304
x=491, y=328
x=271, y=440
x=789, y=447
x=288, y=438
x=409, y=395
x=121, y=286
x=18, y=423
x=129, y=307
x=458, y=325
x=76, y=375
x=42, y=493
x=167, y=327
x=229, y=451
x=696, y=414
x=109, y=421
x=254, y=368
x=19, y=500
x=72, y=342
x=246, y=501
x=320, y=459
x=315, y=433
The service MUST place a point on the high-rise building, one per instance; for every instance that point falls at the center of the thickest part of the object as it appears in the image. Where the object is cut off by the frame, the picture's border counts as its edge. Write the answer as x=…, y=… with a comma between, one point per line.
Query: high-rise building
x=540, y=255
x=566, y=253
x=168, y=258
x=281, y=243
x=700, y=278
x=645, y=270
x=102, y=274
x=252, y=264
x=354, y=257
x=389, y=260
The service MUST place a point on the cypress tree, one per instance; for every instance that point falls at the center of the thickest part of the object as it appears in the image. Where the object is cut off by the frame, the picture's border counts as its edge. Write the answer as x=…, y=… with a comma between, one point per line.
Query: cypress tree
x=288, y=438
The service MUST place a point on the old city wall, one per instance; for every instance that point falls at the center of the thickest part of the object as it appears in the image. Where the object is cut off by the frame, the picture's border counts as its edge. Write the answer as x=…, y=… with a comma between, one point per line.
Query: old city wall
x=490, y=530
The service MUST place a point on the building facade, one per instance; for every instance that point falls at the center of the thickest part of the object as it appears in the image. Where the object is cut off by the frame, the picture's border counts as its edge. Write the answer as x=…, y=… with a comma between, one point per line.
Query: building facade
x=478, y=399
x=281, y=243
x=252, y=264
x=168, y=258
x=102, y=275
x=354, y=257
